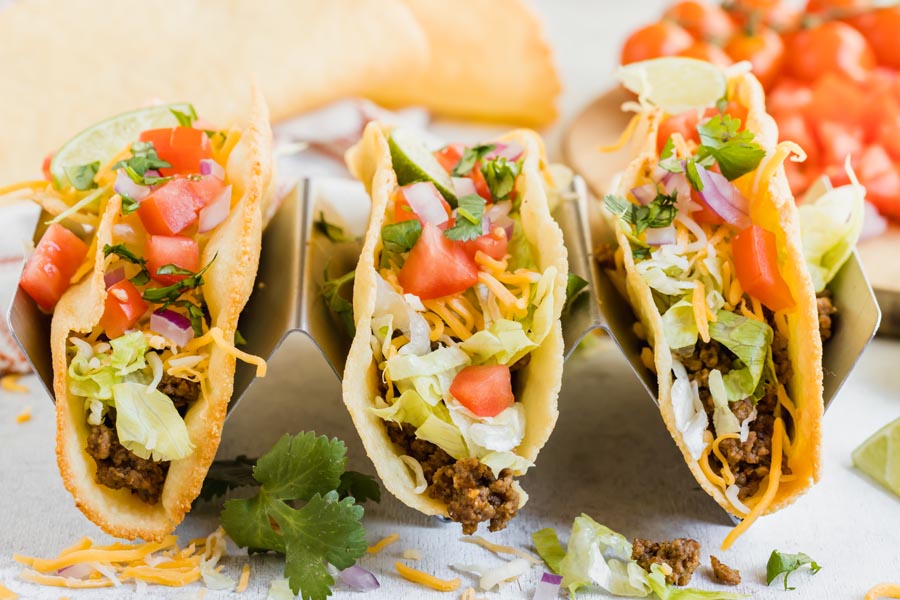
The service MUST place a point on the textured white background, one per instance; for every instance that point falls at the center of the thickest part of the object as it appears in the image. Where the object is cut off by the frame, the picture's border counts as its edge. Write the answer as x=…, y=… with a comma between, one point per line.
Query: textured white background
x=610, y=455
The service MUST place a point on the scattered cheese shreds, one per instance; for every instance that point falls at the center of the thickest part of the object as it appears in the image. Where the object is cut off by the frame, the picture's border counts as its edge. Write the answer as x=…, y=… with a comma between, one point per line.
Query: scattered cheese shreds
x=422, y=578
x=24, y=416
x=468, y=594
x=383, y=543
x=497, y=549
x=412, y=554
x=884, y=590
x=10, y=383
x=6, y=593
x=244, y=580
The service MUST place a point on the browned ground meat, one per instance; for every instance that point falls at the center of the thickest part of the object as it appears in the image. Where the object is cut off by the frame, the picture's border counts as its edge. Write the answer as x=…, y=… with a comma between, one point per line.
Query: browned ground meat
x=723, y=573
x=682, y=554
x=118, y=467
x=605, y=255
x=473, y=494
x=181, y=391
x=826, y=309
x=469, y=488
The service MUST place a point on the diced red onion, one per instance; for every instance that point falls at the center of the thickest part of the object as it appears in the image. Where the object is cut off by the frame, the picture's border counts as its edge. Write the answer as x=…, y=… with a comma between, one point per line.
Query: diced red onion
x=724, y=198
x=210, y=167
x=173, y=326
x=463, y=186
x=127, y=187
x=425, y=201
x=359, y=579
x=511, y=151
x=114, y=277
x=152, y=173
x=78, y=571
x=661, y=236
x=645, y=194
x=873, y=223
x=215, y=212
x=548, y=587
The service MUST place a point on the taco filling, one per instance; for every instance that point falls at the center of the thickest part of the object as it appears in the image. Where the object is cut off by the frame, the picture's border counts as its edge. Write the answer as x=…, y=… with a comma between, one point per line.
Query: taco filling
x=460, y=306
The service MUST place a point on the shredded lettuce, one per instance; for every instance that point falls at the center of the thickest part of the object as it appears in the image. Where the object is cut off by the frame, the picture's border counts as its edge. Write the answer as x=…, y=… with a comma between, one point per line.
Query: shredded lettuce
x=723, y=419
x=407, y=408
x=751, y=341
x=664, y=271
x=830, y=227
x=497, y=461
x=679, y=325
x=503, y=343
x=519, y=247
x=405, y=318
x=500, y=433
x=432, y=422
x=542, y=319
x=690, y=416
x=444, y=435
x=546, y=542
x=128, y=353
x=430, y=375
x=148, y=424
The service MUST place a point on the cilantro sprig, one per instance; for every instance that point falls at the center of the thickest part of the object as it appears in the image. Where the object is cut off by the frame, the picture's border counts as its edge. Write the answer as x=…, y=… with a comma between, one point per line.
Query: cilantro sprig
x=185, y=119
x=469, y=217
x=143, y=276
x=143, y=158
x=469, y=158
x=783, y=563
x=659, y=213
x=500, y=175
x=298, y=512
x=169, y=294
x=82, y=176
x=736, y=152
x=575, y=284
x=333, y=232
x=401, y=237
x=343, y=308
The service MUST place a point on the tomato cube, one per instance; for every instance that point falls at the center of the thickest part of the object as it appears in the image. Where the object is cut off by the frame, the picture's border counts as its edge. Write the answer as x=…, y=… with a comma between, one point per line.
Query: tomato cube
x=182, y=147
x=175, y=250
x=756, y=266
x=494, y=244
x=449, y=156
x=50, y=268
x=437, y=266
x=123, y=307
x=170, y=209
x=485, y=390
x=206, y=190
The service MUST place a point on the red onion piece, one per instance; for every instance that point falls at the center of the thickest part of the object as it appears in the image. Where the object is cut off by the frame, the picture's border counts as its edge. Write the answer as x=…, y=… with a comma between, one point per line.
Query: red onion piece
x=511, y=151
x=359, y=579
x=173, y=326
x=645, y=194
x=125, y=186
x=215, y=212
x=426, y=202
x=79, y=571
x=548, y=587
x=661, y=236
x=210, y=167
x=463, y=186
x=724, y=199
x=873, y=223
x=114, y=277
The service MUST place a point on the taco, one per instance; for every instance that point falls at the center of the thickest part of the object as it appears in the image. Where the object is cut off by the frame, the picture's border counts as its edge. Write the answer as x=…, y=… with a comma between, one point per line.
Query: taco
x=713, y=265
x=453, y=374
x=146, y=289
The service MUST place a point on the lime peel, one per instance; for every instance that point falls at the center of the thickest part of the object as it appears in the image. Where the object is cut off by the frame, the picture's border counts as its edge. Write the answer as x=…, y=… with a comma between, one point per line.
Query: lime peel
x=879, y=456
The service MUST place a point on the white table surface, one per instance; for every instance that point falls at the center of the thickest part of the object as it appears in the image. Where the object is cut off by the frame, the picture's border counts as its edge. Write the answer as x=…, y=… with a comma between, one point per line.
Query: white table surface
x=610, y=455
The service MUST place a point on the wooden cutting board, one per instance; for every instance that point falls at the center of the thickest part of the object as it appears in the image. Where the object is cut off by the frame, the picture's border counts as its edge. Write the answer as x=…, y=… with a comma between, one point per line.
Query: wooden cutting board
x=601, y=123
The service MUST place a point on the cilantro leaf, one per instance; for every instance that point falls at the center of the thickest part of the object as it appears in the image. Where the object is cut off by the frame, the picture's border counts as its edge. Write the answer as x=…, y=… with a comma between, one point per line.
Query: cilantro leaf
x=143, y=276
x=325, y=530
x=359, y=486
x=239, y=339
x=735, y=152
x=167, y=295
x=195, y=314
x=469, y=158
x=82, y=176
x=659, y=213
x=331, y=290
x=574, y=286
x=333, y=232
x=500, y=175
x=780, y=562
x=469, y=217
x=129, y=204
x=143, y=158
x=185, y=119
x=401, y=237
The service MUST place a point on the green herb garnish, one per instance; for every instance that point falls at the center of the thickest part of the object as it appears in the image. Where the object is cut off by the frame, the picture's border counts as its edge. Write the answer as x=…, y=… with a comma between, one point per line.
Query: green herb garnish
x=469, y=158
x=500, y=175
x=788, y=563
x=401, y=237
x=574, y=286
x=143, y=158
x=333, y=232
x=331, y=290
x=185, y=119
x=659, y=213
x=129, y=204
x=143, y=276
x=169, y=294
x=239, y=340
x=82, y=176
x=735, y=152
x=469, y=218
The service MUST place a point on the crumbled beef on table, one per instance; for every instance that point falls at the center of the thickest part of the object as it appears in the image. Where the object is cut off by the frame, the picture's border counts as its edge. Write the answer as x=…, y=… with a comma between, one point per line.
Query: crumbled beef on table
x=681, y=554
x=118, y=467
x=723, y=573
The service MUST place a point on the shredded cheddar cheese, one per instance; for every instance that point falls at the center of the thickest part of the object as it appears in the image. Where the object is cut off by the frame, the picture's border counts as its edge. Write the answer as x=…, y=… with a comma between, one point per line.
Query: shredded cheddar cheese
x=497, y=549
x=422, y=578
x=468, y=594
x=6, y=593
x=698, y=302
x=383, y=543
x=10, y=383
x=24, y=416
x=66, y=582
x=727, y=475
x=624, y=137
x=884, y=590
x=707, y=470
x=771, y=488
x=456, y=326
x=436, y=324
x=244, y=580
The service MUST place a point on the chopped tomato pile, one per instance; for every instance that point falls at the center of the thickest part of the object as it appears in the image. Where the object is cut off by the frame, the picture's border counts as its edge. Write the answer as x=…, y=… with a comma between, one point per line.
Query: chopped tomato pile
x=830, y=71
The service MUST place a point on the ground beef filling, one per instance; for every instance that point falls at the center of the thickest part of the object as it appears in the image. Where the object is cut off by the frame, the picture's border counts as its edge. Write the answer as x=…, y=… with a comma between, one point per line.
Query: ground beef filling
x=825, y=309
x=681, y=554
x=119, y=467
x=467, y=486
x=723, y=573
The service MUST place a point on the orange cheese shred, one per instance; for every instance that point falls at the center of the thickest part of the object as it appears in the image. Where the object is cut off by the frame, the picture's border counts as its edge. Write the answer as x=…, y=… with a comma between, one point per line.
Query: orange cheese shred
x=884, y=590
x=698, y=303
x=10, y=383
x=66, y=582
x=24, y=416
x=244, y=580
x=422, y=578
x=383, y=543
x=6, y=593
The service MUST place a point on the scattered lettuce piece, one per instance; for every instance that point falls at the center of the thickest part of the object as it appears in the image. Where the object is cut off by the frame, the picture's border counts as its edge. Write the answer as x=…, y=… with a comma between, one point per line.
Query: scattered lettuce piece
x=780, y=562
x=546, y=542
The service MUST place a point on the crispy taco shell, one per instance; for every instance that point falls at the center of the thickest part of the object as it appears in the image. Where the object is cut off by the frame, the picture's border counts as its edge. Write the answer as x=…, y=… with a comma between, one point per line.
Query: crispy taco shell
x=370, y=162
x=772, y=207
x=228, y=283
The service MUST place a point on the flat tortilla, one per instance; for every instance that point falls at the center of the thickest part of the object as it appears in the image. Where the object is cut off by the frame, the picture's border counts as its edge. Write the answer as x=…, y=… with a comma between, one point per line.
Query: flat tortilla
x=370, y=162
x=67, y=65
x=228, y=283
x=772, y=207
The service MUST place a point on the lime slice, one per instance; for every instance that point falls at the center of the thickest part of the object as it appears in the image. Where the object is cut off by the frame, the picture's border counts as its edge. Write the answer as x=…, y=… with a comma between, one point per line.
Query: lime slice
x=414, y=162
x=879, y=457
x=106, y=139
x=675, y=84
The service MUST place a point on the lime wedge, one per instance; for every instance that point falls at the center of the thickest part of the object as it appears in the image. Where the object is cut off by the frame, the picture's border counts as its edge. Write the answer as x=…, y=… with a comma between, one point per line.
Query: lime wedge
x=879, y=456
x=414, y=162
x=106, y=139
x=675, y=84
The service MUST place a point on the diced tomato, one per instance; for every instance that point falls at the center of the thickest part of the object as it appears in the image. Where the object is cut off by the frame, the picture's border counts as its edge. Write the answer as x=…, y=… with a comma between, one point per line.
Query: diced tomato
x=685, y=124
x=171, y=250
x=124, y=306
x=494, y=244
x=881, y=179
x=51, y=266
x=756, y=266
x=170, y=209
x=481, y=186
x=449, y=156
x=182, y=147
x=45, y=167
x=437, y=266
x=205, y=190
x=836, y=99
x=404, y=212
x=732, y=109
x=837, y=140
x=789, y=95
x=705, y=214
x=485, y=390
